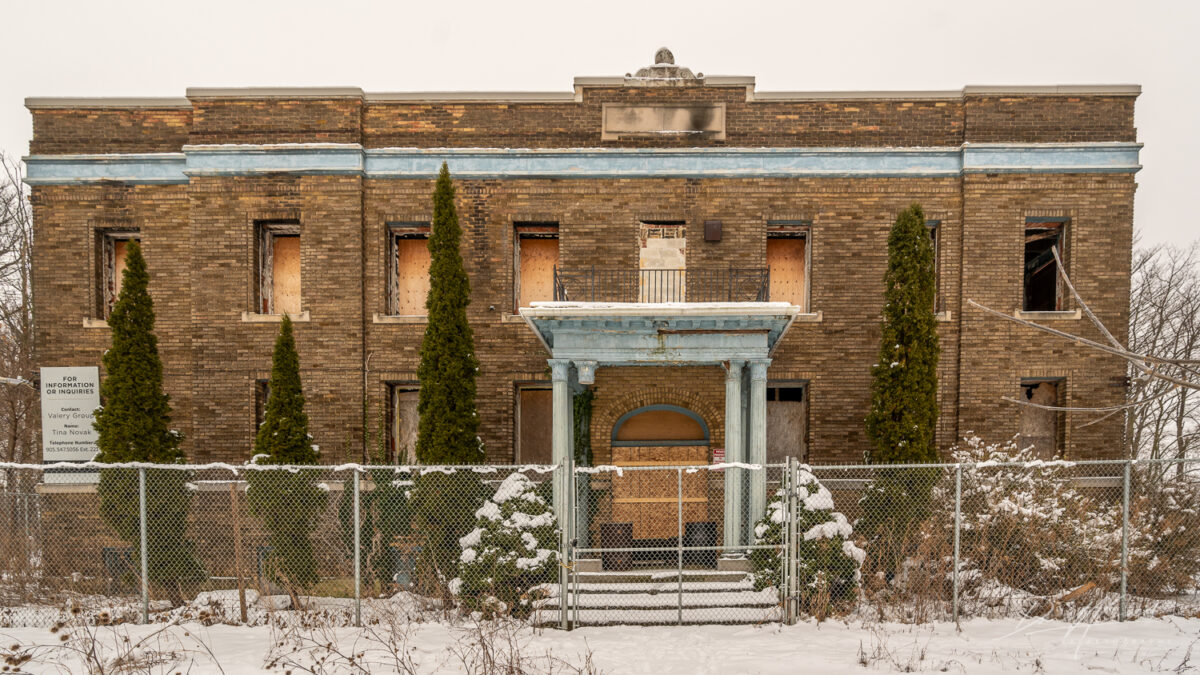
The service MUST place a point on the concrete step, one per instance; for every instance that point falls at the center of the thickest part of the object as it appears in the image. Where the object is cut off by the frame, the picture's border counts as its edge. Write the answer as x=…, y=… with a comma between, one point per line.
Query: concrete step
x=658, y=576
x=662, y=617
x=667, y=600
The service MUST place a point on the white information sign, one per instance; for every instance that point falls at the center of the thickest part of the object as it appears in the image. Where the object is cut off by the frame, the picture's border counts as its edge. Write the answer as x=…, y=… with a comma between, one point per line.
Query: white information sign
x=69, y=397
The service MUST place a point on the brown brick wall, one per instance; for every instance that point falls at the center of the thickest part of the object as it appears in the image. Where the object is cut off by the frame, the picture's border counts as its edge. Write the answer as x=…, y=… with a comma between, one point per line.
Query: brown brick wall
x=98, y=130
x=198, y=240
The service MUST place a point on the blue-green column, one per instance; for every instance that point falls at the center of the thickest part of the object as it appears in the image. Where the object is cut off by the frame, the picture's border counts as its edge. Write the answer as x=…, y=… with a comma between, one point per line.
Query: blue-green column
x=757, y=452
x=562, y=413
x=733, y=453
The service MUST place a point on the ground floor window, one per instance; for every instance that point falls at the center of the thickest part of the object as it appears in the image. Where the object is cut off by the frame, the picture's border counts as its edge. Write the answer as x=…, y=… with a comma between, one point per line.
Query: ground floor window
x=402, y=422
x=1038, y=427
x=787, y=421
x=534, y=425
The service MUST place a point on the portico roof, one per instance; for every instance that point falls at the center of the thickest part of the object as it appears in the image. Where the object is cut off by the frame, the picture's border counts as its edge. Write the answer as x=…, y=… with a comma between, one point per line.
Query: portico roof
x=659, y=333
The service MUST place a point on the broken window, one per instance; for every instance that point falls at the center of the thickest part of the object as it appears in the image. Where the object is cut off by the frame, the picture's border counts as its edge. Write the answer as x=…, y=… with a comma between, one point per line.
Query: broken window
x=662, y=261
x=1038, y=427
x=408, y=268
x=262, y=392
x=1043, y=287
x=537, y=256
x=402, y=422
x=787, y=262
x=534, y=425
x=279, y=268
x=787, y=422
x=114, y=246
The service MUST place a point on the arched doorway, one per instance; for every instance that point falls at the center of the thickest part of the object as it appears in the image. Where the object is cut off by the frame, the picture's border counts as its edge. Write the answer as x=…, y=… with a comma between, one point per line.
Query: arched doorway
x=654, y=436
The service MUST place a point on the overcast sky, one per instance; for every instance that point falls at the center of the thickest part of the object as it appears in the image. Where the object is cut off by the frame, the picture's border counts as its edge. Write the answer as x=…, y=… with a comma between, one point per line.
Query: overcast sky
x=161, y=47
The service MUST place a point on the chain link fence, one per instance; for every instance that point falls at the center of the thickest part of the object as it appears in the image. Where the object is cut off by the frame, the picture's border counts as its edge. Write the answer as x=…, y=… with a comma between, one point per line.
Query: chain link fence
x=646, y=543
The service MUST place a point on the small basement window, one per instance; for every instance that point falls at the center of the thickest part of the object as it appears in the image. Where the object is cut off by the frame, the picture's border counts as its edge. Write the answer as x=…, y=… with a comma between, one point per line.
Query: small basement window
x=279, y=268
x=787, y=262
x=1042, y=283
x=113, y=247
x=1038, y=427
x=536, y=253
x=408, y=268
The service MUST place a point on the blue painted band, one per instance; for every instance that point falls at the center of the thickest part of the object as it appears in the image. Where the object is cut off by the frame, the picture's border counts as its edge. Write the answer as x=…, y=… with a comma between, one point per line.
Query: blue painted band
x=418, y=163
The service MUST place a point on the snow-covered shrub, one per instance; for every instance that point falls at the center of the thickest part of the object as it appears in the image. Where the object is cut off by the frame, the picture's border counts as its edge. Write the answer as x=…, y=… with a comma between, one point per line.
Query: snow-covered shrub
x=512, y=552
x=1028, y=527
x=1164, y=531
x=827, y=560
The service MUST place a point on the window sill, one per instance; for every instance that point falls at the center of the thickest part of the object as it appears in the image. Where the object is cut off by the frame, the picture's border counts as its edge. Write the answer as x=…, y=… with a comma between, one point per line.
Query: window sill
x=944, y=316
x=810, y=317
x=1049, y=316
x=94, y=323
x=251, y=317
x=396, y=318
x=507, y=317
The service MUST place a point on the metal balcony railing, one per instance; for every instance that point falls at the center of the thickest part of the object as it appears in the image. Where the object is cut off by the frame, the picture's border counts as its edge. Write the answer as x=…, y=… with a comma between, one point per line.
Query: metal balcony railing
x=712, y=284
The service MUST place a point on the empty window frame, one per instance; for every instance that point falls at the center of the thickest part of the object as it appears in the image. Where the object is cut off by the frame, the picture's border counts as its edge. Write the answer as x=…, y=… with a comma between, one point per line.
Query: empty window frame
x=113, y=248
x=534, y=425
x=788, y=260
x=408, y=268
x=279, y=268
x=536, y=251
x=1043, y=287
x=787, y=421
x=662, y=261
x=402, y=422
x=262, y=392
x=1040, y=428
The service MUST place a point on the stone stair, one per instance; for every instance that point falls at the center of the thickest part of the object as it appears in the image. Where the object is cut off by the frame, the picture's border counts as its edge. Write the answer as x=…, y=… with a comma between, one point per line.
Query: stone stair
x=653, y=598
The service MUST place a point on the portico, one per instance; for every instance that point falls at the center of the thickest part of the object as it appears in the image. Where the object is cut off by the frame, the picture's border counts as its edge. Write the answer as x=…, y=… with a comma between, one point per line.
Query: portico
x=739, y=337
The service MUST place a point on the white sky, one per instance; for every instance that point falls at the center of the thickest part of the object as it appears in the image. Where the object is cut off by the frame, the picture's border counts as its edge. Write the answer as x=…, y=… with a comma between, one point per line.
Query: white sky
x=161, y=47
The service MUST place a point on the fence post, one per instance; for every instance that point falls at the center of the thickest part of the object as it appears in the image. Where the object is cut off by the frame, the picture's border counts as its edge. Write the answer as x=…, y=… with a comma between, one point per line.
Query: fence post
x=357, y=552
x=793, y=504
x=144, y=547
x=679, y=537
x=957, y=532
x=564, y=544
x=1124, y=539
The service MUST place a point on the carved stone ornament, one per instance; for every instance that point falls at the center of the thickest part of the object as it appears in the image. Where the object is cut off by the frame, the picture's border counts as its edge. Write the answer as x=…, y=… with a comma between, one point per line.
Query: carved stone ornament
x=664, y=73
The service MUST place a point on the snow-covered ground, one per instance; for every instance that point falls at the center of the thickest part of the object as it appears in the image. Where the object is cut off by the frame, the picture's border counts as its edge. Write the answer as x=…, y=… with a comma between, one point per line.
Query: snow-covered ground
x=982, y=646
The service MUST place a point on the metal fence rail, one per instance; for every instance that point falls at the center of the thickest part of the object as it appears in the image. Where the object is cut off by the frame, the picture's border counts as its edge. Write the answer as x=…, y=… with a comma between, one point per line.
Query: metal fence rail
x=649, y=543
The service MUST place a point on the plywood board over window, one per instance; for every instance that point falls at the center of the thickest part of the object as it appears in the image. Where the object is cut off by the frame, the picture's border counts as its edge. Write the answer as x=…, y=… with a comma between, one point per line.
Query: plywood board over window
x=408, y=269
x=279, y=268
x=1039, y=427
x=787, y=420
x=537, y=256
x=787, y=260
x=402, y=434
x=534, y=426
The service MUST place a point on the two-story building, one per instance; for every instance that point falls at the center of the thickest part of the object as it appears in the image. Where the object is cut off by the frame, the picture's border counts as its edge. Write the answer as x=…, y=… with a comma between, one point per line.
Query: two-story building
x=712, y=256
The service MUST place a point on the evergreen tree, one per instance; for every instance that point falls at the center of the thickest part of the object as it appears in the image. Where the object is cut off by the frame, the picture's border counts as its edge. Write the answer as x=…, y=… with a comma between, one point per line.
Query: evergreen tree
x=134, y=426
x=289, y=504
x=444, y=504
x=903, y=414
x=447, y=430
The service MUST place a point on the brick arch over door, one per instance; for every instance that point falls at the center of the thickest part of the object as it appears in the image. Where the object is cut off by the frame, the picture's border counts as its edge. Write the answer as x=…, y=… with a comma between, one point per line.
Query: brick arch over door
x=619, y=390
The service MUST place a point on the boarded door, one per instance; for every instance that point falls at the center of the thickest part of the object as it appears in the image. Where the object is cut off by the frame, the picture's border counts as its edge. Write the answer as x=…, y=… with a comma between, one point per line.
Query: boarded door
x=650, y=499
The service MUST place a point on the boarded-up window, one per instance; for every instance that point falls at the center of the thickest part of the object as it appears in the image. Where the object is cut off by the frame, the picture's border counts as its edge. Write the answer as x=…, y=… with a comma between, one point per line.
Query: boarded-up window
x=662, y=261
x=262, y=391
x=402, y=423
x=279, y=268
x=787, y=420
x=1039, y=427
x=408, y=269
x=113, y=249
x=1043, y=288
x=537, y=256
x=657, y=425
x=787, y=260
x=534, y=426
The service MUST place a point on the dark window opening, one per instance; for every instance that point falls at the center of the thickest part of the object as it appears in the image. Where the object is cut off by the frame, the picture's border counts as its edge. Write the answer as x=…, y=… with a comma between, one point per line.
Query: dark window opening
x=934, y=228
x=262, y=392
x=1043, y=290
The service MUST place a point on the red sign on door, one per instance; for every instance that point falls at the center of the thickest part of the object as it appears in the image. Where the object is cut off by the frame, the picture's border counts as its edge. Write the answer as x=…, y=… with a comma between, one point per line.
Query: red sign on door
x=718, y=457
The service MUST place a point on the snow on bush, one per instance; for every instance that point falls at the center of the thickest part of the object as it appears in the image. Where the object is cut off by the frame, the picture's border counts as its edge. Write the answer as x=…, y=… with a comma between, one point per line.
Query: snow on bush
x=511, y=555
x=827, y=558
x=1029, y=527
x=1164, y=531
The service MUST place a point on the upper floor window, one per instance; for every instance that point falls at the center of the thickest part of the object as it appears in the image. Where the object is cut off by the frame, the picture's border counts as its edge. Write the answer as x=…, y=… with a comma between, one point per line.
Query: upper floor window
x=662, y=261
x=1043, y=287
x=788, y=262
x=113, y=247
x=279, y=268
x=408, y=268
x=536, y=253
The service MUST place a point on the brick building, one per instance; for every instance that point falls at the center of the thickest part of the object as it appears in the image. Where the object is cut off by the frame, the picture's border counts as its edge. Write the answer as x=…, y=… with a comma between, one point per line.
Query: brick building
x=737, y=237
